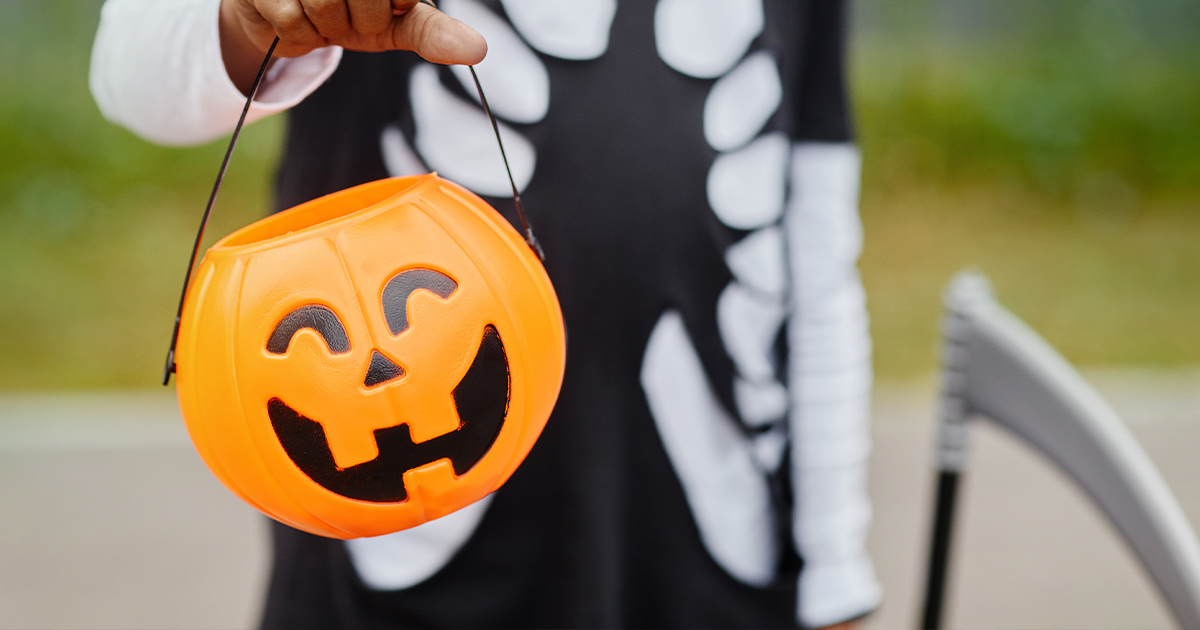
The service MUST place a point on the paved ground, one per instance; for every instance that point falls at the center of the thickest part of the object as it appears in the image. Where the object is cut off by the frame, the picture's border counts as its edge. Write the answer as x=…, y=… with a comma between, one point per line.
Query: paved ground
x=109, y=520
x=1030, y=552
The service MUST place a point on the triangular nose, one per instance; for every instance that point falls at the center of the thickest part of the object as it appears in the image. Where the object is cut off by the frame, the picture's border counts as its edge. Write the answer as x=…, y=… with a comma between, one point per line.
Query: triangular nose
x=382, y=370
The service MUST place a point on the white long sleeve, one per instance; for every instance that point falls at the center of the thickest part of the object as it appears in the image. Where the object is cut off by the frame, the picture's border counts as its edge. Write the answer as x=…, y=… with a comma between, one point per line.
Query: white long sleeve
x=829, y=366
x=157, y=71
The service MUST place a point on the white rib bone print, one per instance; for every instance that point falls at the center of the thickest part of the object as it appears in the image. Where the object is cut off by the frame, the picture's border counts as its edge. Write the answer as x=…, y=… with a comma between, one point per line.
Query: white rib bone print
x=704, y=38
x=576, y=30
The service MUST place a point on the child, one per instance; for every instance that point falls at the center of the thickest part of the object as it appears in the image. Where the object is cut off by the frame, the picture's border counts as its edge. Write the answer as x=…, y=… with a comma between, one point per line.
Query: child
x=689, y=170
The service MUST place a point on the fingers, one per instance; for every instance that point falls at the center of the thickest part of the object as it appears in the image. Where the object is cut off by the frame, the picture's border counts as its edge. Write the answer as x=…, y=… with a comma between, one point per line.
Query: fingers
x=437, y=37
x=331, y=18
x=308, y=24
x=371, y=17
x=367, y=25
x=400, y=7
x=290, y=21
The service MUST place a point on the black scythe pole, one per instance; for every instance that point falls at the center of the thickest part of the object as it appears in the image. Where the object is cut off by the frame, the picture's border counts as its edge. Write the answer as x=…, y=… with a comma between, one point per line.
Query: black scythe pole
x=939, y=548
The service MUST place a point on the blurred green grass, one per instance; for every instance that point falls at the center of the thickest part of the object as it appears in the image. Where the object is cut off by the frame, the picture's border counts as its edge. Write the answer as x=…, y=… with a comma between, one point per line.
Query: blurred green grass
x=95, y=224
x=1059, y=153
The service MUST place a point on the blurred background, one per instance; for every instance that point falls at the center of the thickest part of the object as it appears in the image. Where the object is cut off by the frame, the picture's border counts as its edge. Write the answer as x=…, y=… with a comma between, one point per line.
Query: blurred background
x=1055, y=146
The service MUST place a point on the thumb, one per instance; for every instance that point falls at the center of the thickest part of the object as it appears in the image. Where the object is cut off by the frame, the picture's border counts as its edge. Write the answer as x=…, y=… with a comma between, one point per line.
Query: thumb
x=437, y=37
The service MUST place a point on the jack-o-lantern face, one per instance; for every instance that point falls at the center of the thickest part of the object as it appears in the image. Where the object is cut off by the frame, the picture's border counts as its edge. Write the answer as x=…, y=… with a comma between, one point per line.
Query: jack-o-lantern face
x=480, y=399
x=356, y=373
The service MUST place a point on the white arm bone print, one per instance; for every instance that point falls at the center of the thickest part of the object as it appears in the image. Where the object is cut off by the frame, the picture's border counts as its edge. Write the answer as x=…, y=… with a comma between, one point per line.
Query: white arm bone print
x=829, y=369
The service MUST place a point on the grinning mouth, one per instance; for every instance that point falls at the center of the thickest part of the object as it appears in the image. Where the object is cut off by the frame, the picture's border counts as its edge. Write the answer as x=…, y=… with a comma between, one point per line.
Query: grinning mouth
x=481, y=398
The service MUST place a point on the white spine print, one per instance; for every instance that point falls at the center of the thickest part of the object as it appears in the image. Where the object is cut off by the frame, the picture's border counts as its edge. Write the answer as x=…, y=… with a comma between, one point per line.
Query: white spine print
x=741, y=102
x=746, y=189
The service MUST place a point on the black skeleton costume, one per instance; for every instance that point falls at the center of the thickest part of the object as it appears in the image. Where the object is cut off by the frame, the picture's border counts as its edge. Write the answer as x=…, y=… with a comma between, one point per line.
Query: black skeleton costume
x=688, y=168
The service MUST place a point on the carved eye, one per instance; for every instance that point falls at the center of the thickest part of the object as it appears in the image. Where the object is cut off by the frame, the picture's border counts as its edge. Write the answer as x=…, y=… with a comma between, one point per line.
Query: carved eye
x=402, y=285
x=320, y=319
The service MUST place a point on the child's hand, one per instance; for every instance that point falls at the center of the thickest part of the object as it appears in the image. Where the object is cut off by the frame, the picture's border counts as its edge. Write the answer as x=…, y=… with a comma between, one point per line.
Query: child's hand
x=249, y=26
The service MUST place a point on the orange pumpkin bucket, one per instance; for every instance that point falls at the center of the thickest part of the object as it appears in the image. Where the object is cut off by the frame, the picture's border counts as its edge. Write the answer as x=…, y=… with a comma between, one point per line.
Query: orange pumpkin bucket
x=370, y=360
